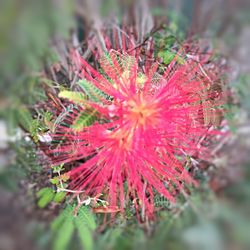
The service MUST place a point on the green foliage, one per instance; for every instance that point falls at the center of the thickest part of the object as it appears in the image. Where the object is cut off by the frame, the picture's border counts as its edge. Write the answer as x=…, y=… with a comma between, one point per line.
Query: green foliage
x=107, y=6
x=64, y=234
x=47, y=118
x=37, y=126
x=165, y=41
x=233, y=113
x=60, y=181
x=242, y=86
x=91, y=91
x=67, y=223
x=168, y=56
x=85, y=235
x=88, y=116
x=25, y=162
x=25, y=118
x=59, y=197
x=87, y=218
x=84, y=119
x=73, y=96
x=161, y=201
x=22, y=50
x=177, y=22
x=58, y=168
x=47, y=195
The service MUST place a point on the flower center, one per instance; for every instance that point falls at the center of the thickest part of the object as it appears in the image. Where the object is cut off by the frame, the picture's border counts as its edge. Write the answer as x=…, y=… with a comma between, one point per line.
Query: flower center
x=140, y=112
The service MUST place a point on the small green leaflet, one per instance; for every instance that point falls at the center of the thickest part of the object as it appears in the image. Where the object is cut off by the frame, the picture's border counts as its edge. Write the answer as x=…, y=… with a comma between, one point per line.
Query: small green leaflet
x=59, y=197
x=88, y=116
x=85, y=119
x=73, y=96
x=47, y=195
x=64, y=234
x=67, y=223
x=87, y=218
x=92, y=91
x=36, y=126
x=160, y=201
x=168, y=56
x=25, y=118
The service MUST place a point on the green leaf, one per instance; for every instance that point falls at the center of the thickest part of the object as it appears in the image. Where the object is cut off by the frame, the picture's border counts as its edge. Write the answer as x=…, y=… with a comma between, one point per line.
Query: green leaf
x=65, y=224
x=43, y=191
x=161, y=201
x=87, y=217
x=47, y=117
x=169, y=41
x=59, y=197
x=85, y=224
x=25, y=118
x=58, y=168
x=168, y=56
x=57, y=222
x=165, y=42
x=73, y=96
x=85, y=119
x=109, y=238
x=64, y=234
x=45, y=196
x=35, y=129
x=92, y=91
x=54, y=181
x=85, y=235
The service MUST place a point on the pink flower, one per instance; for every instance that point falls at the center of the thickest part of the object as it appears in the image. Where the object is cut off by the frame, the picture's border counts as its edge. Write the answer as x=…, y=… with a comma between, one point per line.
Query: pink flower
x=146, y=124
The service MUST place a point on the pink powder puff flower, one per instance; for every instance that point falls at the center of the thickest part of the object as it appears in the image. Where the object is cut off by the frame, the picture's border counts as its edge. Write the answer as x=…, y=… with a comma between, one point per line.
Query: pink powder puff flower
x=143, y=131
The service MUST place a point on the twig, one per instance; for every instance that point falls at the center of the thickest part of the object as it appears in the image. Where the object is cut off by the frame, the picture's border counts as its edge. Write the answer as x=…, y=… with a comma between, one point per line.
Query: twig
x=147, y=37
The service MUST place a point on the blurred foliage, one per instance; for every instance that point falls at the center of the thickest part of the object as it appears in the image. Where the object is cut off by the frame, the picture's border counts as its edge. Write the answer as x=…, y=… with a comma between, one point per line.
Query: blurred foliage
x=242, y=86
x=200, y=222
x=24, y=164
x=67, y=222
x=26, y=28
x=47, y=195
